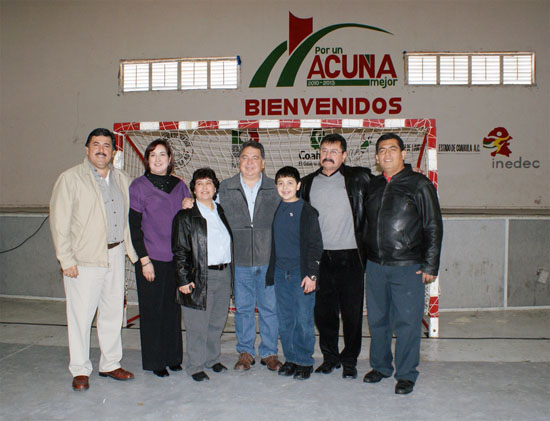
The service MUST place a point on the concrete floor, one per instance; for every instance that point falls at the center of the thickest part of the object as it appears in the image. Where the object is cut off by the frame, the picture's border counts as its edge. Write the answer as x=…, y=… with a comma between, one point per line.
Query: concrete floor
x=492, y=365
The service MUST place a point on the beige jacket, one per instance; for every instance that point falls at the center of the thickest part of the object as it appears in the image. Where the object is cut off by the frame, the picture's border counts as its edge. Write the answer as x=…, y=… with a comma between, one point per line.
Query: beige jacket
x=78, y=221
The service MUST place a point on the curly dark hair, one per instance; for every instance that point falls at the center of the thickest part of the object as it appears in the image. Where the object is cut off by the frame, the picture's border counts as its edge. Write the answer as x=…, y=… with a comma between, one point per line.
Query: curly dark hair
x=203, y=173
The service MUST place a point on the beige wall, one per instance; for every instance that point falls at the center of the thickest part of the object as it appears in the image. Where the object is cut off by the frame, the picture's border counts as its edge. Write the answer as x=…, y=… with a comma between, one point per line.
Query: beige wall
x=59, y=64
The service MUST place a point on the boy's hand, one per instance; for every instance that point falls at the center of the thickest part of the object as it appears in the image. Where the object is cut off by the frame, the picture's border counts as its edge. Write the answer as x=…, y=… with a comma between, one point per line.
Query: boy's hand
x=308, y=285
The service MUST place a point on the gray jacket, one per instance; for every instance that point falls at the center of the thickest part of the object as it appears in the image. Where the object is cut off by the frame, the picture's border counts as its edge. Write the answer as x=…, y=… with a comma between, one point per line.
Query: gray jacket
x=251, y=239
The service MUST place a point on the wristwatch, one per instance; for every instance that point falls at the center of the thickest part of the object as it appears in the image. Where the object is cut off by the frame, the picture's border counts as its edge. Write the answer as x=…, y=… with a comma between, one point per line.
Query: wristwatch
x=313, y=278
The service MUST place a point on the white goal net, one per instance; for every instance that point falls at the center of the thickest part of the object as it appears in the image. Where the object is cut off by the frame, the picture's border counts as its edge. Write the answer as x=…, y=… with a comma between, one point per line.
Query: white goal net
x=216, y=144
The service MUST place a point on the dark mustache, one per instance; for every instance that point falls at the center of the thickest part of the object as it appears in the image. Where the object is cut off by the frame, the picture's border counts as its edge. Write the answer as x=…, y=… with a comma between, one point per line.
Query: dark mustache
x=100, y=153
x=327, y=159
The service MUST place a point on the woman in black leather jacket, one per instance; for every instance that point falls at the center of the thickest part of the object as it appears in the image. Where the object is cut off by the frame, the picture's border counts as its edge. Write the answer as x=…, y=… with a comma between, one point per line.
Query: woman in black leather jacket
x=204, y=265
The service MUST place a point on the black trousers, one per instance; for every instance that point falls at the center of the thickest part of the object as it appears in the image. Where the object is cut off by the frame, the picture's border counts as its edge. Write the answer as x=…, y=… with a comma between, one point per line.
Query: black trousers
x=160, y=317
x=341, y=290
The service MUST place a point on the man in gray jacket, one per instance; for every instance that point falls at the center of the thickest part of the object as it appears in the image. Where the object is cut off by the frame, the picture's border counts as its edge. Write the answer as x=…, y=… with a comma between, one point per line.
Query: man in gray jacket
x=250, y=200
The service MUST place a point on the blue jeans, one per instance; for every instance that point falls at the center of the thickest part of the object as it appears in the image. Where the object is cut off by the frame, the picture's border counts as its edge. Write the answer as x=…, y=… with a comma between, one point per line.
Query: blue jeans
x=295, y=313
x=395, y=301
x=250, y=291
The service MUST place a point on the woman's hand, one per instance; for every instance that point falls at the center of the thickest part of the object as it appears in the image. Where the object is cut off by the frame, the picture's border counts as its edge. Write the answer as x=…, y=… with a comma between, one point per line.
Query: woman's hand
x=186, y=289
x=187, y=203
x=147, y=269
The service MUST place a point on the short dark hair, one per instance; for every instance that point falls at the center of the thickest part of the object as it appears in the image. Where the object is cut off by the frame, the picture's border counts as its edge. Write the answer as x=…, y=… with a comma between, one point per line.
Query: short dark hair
x=288, y=172
x=101, y=132
x=151, y=147
x=335, y=138
x=388, y=136
x=201, y=174
x=252, y=144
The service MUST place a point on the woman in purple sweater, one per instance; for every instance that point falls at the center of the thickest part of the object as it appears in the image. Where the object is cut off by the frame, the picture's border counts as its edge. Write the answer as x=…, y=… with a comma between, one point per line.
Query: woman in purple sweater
x=155, y=198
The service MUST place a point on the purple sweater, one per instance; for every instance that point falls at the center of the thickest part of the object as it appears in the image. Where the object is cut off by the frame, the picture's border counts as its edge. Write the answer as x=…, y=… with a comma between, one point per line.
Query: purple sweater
x=158, y=209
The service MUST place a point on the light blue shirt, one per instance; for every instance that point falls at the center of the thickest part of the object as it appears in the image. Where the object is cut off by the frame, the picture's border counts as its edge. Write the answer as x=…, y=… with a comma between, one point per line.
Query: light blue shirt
x=218, y=239
x=251, y=194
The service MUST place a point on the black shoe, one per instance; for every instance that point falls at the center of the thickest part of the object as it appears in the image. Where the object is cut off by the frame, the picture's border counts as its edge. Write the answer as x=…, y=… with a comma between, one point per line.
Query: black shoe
x=175, y=367
x=161, y=373
x=219, y=367
x=200, y=376
x=287, y=369
x=374, y=376
x=303, y=372
x=327, y=367
x=349, y=372
x=404, y=387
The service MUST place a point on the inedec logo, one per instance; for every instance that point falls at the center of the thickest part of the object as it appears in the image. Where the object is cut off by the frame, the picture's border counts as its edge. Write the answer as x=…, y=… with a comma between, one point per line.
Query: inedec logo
x=499, y=140
x=330, y=66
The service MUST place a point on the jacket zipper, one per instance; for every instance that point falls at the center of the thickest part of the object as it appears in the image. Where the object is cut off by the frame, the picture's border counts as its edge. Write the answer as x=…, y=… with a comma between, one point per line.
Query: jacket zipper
x=378, y=222
x=251, y=223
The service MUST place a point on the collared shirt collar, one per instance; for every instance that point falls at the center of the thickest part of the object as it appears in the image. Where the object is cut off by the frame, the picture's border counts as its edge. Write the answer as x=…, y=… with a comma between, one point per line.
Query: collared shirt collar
x=206, y=208
x=96, y=173
x=256, y=186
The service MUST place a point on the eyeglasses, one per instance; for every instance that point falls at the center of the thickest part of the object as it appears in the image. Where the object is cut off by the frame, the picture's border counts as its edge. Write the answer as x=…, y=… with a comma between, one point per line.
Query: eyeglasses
x=332, y=152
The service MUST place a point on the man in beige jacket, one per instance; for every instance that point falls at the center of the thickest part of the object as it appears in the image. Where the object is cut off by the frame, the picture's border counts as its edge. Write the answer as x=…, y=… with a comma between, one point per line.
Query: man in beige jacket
x=89, y=225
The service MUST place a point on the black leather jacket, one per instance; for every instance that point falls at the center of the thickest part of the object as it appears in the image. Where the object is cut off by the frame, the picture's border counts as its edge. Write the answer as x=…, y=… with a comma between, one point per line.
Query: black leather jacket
x=189, y=245
x=405, y=225
x=357, y=182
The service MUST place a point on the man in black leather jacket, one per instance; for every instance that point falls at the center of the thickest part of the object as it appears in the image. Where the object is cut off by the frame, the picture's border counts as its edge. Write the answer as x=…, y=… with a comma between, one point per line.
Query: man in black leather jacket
x=404, y=236
x=339, y=192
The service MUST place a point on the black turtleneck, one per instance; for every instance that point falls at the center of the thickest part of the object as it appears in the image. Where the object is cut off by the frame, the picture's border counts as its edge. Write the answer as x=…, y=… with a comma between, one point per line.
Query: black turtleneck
x=166, y=183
